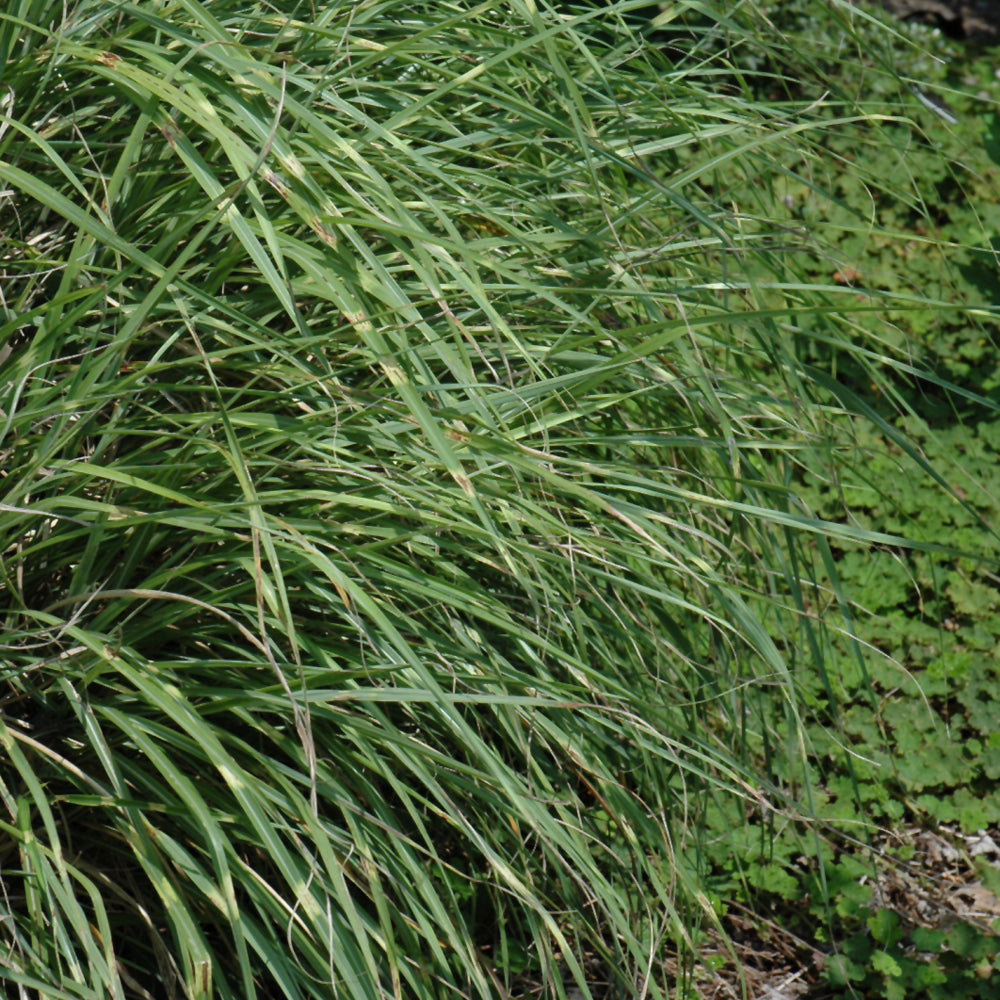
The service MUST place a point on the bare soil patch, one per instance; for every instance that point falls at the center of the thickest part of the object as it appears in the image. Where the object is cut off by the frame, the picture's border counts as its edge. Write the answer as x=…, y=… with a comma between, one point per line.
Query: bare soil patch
x=975, y=21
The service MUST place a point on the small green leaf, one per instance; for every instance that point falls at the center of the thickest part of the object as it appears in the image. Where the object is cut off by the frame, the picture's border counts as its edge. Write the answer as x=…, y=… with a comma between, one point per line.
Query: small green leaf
x=883, y=962
x=884, y=926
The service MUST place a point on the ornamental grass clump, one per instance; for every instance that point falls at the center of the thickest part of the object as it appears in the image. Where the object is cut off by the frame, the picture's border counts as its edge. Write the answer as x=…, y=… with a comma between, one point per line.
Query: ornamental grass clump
x=400, y=423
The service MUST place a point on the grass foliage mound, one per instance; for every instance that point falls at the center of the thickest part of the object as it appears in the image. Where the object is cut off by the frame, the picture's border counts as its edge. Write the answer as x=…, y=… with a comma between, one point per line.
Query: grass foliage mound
x=403, y=415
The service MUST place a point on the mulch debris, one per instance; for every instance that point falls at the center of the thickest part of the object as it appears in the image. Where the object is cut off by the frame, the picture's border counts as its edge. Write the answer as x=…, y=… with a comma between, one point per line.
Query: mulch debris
x=940, y=885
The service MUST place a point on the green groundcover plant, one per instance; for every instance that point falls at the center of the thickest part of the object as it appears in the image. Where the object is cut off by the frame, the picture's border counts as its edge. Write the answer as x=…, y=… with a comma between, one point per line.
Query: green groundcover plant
x=420, y=435
x=917, y=711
